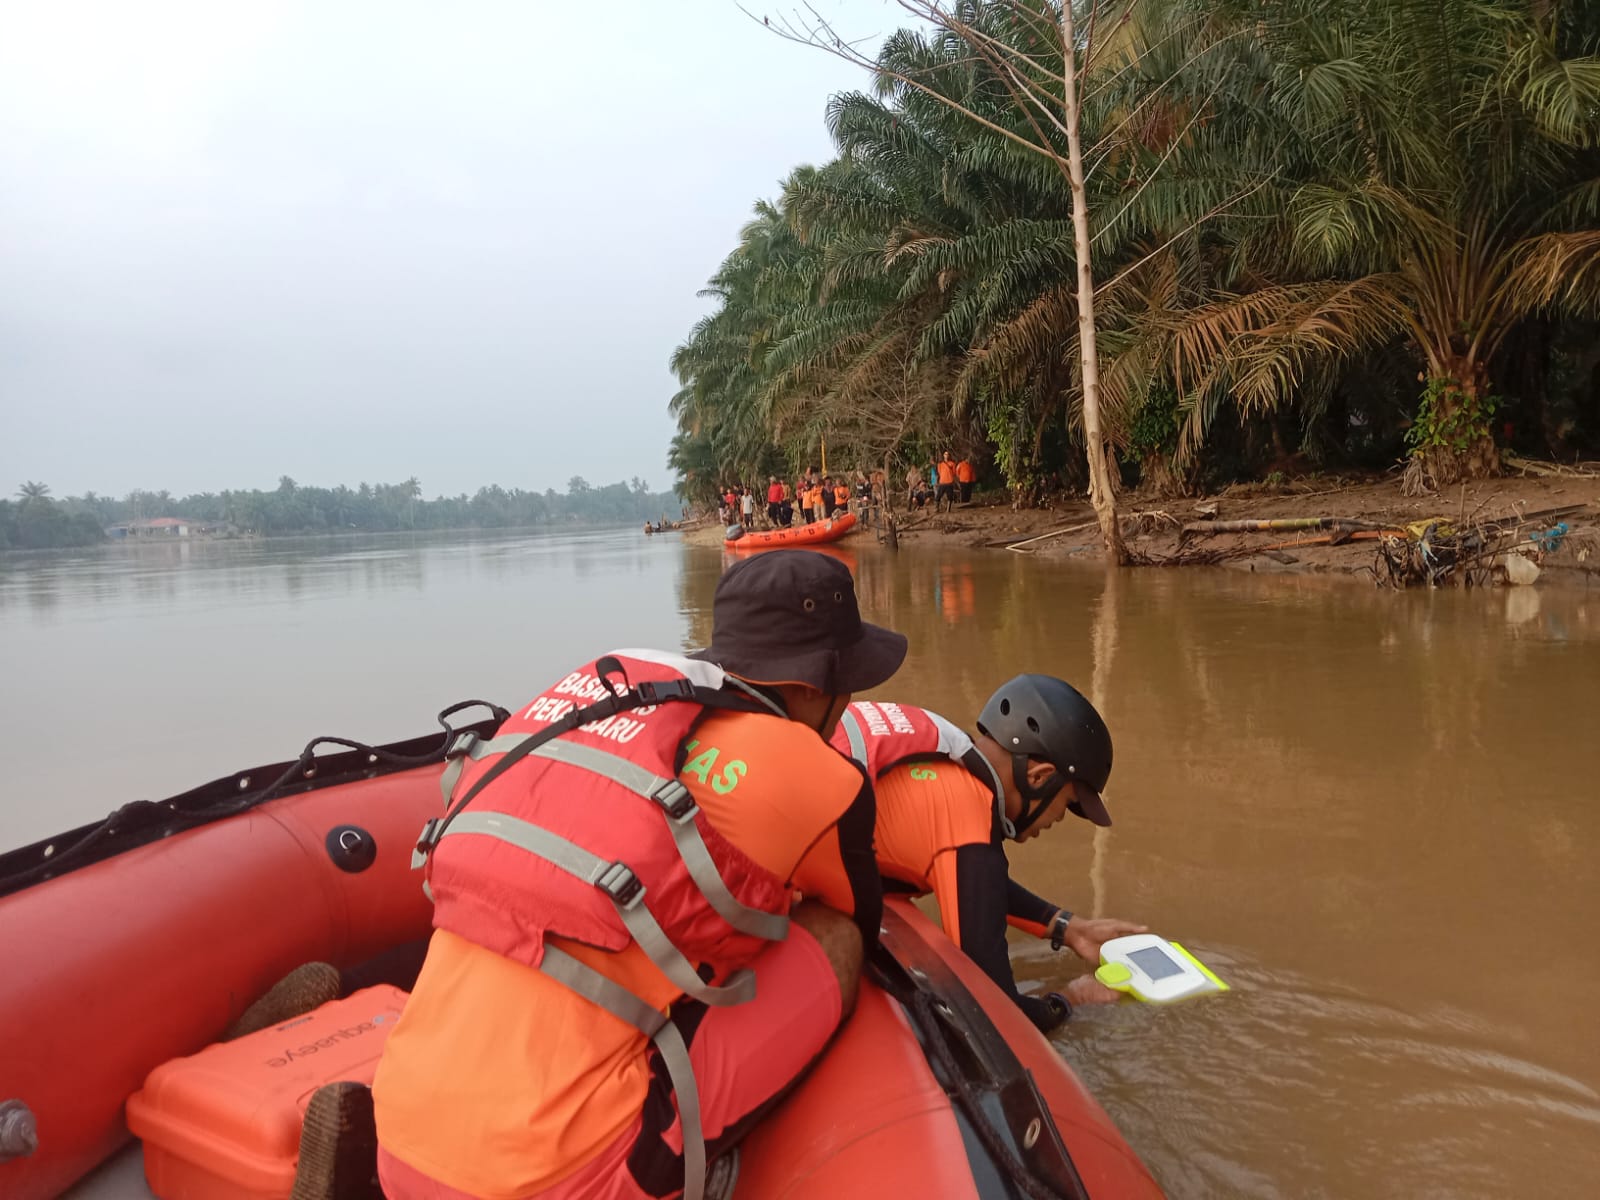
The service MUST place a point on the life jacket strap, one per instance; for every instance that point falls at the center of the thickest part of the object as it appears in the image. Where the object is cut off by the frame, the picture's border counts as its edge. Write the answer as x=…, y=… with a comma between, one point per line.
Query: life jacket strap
x=468, y=746
x=857, y=739
x=625, y=1006
x=975, y=761
x=748, y=694
x=677, y=802
x=626, y=892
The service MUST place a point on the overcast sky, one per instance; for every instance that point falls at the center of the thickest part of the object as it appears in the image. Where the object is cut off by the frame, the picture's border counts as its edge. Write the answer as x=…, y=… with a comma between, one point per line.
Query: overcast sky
x=352, y=240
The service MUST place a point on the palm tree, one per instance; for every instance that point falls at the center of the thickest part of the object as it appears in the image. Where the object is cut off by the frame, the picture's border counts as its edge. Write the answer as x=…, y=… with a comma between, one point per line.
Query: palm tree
x=1283, y=196
x=1433, y=181
x=33, y=491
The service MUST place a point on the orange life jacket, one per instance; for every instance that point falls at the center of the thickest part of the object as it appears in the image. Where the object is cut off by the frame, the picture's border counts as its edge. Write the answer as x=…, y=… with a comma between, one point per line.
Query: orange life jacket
x=571, y=822
x=879, y=736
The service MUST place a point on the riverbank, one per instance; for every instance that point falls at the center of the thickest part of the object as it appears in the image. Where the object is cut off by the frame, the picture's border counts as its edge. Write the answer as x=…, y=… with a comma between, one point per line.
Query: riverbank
x=1369, y=514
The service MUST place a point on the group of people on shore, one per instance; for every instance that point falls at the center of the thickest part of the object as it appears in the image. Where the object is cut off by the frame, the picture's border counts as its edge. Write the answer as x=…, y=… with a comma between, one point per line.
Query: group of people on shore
x=945, y=481
x=607, y=1010
x=810, y=496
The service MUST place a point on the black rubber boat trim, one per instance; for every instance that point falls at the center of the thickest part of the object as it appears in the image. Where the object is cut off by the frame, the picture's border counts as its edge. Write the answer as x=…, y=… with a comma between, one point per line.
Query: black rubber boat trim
x=144, y=821
x=976, y=1067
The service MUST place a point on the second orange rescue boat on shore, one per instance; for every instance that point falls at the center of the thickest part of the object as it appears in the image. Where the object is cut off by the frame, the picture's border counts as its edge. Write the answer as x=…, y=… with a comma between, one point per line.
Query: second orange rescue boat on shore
x=814, y=534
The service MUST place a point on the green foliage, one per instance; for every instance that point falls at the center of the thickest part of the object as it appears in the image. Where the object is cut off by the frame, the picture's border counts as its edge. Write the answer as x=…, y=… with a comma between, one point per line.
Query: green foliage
x=1295, y=205
x=42, y=522
x=1008, y=434
x=1450, y=418
x=1155, y=424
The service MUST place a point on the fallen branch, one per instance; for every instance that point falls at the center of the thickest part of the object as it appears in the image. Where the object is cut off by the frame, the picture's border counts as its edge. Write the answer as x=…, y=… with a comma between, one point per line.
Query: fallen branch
x=1516, y=520
x=1530, y=466
x=1325, y=539
x=1279, y=525
x=1052, y=534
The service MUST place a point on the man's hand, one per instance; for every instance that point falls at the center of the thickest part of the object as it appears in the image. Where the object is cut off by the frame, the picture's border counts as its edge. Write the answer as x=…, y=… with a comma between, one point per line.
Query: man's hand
x=1086, y=989
x=1087, y=934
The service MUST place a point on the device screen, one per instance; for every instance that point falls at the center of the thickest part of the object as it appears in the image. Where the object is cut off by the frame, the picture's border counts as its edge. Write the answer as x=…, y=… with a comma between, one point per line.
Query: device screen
x=1155, y=963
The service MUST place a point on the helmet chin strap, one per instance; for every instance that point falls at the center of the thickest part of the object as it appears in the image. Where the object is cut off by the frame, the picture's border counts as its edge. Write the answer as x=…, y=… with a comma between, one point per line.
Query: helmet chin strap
x=1034, y=799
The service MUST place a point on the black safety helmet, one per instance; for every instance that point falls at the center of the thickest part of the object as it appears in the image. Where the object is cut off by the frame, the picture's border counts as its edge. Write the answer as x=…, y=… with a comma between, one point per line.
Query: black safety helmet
x=1040, y=716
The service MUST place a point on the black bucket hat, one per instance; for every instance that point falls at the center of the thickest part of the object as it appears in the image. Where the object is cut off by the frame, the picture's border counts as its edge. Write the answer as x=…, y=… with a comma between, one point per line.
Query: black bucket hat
x=790, y=616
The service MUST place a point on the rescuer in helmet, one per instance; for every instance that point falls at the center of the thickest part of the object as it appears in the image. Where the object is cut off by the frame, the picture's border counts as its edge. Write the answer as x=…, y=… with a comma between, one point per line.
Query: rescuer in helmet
x=947, y=803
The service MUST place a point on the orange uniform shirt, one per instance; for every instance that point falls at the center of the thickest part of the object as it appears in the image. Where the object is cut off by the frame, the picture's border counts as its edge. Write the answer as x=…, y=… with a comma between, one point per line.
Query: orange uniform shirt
x=965, y=472
x=498, y=1080
x=926, y=811
x=947, y=471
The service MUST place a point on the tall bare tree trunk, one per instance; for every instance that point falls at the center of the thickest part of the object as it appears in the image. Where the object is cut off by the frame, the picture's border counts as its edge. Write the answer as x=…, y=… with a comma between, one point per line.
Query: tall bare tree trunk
x=1100, y=491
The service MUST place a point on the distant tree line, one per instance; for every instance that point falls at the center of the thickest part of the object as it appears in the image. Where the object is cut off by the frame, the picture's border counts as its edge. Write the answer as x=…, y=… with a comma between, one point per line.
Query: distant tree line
x=35, y=520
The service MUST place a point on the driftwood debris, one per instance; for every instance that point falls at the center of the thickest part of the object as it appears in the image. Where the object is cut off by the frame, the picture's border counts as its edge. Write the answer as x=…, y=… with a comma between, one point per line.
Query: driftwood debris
x=1279, y=525
x=1054, y=533
x=1549, y=470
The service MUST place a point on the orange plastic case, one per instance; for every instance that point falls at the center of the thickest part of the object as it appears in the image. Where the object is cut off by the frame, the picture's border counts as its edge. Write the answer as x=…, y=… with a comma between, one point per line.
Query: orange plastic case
x=224, y=1124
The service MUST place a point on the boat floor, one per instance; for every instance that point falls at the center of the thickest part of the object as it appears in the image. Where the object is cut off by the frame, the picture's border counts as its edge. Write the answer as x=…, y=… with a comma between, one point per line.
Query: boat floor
x=121, y=1177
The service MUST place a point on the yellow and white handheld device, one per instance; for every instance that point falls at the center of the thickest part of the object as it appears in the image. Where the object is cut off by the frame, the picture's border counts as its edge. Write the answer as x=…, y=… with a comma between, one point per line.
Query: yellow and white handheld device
x=1154, y=970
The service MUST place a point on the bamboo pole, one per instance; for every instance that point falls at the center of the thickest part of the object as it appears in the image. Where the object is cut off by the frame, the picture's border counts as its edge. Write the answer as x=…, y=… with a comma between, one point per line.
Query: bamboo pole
x=1279, y=524
x=1052, y=534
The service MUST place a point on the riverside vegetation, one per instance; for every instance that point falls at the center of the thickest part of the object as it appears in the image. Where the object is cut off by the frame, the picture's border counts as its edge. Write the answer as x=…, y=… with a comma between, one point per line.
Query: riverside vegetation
x=1336, y=234
x=36, y=520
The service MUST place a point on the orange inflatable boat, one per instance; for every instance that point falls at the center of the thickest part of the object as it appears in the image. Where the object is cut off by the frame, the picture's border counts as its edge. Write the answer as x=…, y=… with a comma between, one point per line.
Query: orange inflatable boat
x=137, y=941
x=817, y=533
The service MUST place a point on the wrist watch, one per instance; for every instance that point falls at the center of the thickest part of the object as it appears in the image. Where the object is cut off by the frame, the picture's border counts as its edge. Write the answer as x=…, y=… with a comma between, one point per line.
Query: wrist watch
x=1058, y=928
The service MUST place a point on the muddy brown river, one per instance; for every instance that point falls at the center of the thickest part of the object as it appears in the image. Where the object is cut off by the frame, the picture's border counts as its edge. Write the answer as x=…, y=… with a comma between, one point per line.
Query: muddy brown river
x=1374, y=814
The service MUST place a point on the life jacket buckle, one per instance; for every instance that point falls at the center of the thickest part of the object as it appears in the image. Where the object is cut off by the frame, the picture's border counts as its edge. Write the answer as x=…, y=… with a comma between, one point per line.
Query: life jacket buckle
x=464, y=744
x=426, y=841
x=667, y=689
x=675, y=800
x=624, y=887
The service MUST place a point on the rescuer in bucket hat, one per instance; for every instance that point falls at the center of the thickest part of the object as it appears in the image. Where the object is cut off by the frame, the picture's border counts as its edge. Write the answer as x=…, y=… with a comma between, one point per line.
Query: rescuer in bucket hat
x=675, y=1040
x=781, y=817
x=788, y=620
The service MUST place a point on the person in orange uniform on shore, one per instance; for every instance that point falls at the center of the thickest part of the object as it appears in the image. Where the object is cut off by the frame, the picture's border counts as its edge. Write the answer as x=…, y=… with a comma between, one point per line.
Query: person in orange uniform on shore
x=946, y=491
x=814, y=501
x=516, y=1070
x=841, y=497
x=948, y=802
x=966, y=476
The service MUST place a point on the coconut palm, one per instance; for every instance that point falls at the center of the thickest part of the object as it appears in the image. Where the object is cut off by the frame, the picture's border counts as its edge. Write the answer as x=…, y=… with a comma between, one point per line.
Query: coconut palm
x=33, y=491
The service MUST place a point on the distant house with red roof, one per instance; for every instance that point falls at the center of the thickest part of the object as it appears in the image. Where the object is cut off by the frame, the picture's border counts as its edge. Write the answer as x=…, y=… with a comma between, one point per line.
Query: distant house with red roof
x=154, y=527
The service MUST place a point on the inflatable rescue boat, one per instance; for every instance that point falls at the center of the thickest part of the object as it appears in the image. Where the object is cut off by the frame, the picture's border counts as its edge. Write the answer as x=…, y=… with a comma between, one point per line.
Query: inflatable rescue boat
x=816, y=533
x=132, y=944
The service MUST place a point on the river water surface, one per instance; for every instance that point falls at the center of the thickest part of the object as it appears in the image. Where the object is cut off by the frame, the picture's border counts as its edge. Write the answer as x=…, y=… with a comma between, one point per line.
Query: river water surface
x=1374, y=814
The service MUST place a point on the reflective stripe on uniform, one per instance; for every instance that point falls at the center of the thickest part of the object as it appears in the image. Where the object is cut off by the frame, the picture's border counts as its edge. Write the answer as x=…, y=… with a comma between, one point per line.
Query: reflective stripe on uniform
x=625, y=1006
x=669, y=793
x=626, y=892
x=475, y=748
x=614, y=879
x=858, y=740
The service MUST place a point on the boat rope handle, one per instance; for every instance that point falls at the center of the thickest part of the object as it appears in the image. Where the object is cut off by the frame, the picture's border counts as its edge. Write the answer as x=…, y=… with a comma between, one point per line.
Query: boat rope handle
x=138, y=812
